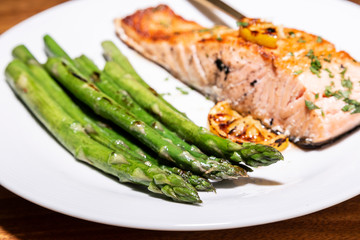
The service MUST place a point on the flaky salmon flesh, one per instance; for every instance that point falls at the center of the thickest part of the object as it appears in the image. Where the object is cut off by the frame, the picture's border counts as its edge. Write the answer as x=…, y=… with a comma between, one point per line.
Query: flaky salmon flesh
x=299, y=85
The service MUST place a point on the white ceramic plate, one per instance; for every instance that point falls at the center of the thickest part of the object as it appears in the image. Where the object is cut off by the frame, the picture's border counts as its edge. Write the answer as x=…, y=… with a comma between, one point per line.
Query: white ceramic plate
x=36, y=167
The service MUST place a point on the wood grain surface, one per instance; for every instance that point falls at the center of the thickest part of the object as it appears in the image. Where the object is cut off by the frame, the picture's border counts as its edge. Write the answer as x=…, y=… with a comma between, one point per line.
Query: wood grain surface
x=21, y=219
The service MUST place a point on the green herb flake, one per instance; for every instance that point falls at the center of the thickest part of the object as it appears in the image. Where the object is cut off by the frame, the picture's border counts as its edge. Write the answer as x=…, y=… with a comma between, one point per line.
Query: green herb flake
x=328, y=92
x=242, y=24
x=331, y=75
x=310, y=54
x=315, y=71
x=337, y=94
x=342, y=73
x=291, y=54
x=319, y=39
x=354, y=105
x=166, y=79
x=345, y=94
x=348, y=108
x=352, y=101
x=165, y=94
x=316, y=95
x=184, y=92
x=357, y=110
x=310, y=105
x=315, y=65
x=301, y=40
x=219, y=38
x=328, y=59
x=298, y=72
x=347, y=83
x=292, y=34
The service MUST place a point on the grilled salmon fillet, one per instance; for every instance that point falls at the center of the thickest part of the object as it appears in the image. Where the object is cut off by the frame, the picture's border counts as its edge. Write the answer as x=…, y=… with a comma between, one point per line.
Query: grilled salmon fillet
x=302, y=87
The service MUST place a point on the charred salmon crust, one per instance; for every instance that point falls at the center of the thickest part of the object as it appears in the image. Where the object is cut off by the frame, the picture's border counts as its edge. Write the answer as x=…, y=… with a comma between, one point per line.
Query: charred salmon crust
x=303, y=87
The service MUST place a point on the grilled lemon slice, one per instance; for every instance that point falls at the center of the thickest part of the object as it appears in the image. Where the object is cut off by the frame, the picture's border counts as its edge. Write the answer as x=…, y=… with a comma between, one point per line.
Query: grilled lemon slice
x=259, y=32
x=227, y=123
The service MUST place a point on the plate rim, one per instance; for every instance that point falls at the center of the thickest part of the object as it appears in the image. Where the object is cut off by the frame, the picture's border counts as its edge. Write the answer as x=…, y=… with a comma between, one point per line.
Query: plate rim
x=23, y=194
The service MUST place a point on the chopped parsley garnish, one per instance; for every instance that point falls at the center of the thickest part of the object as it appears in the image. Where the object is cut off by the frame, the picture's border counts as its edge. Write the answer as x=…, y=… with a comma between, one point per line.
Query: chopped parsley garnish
x=355, y=105
x=316, y=63
x=315, y=66
x=316, y=95
x=166, y=79
x=346, y=83
x=328, y=59
x=219, y=38
x=342, y=73
x=315, y=70
x=331, y=75
x=298, y=72
x=348, y=108
x=338, y=94
x=301, y=40
x=345, y=94
x=242, y=24
x=310, y=105
x=310, y=54
x=292, y=34
x=319, y=39
x=352, y=105
x=291, y=54
x=184, y=92
x=329, y=93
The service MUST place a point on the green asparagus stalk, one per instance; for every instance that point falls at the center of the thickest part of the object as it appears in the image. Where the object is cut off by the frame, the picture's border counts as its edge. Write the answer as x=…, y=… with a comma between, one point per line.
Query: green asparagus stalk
x=108, y=86
x=73, y=136
x=87, y=67
x=53, y=49
x=111, y=52
x=103, y=135
x=109, y=109
x=120, y=96
x=251, y=154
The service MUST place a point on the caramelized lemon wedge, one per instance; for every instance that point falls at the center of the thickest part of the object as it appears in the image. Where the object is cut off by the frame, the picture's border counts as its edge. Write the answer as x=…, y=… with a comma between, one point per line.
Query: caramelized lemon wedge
x=259, y=32
x=227, y=123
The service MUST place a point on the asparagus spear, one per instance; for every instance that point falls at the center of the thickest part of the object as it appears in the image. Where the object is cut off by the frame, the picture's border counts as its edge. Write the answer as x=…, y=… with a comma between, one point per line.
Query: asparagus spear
x=120, y=96
x=53, y=49
x=109, y=109
x=112, y=53
x=84, y=66
x=101, y=134
x=73, y=136
x=249, y=153
x=108, y=86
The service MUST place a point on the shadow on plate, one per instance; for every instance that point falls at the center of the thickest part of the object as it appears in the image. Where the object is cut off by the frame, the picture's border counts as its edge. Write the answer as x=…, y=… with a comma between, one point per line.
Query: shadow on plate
x=244, y=181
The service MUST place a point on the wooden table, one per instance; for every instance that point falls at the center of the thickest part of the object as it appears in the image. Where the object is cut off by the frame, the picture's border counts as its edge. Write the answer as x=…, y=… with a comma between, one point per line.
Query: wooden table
x=20, y=219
